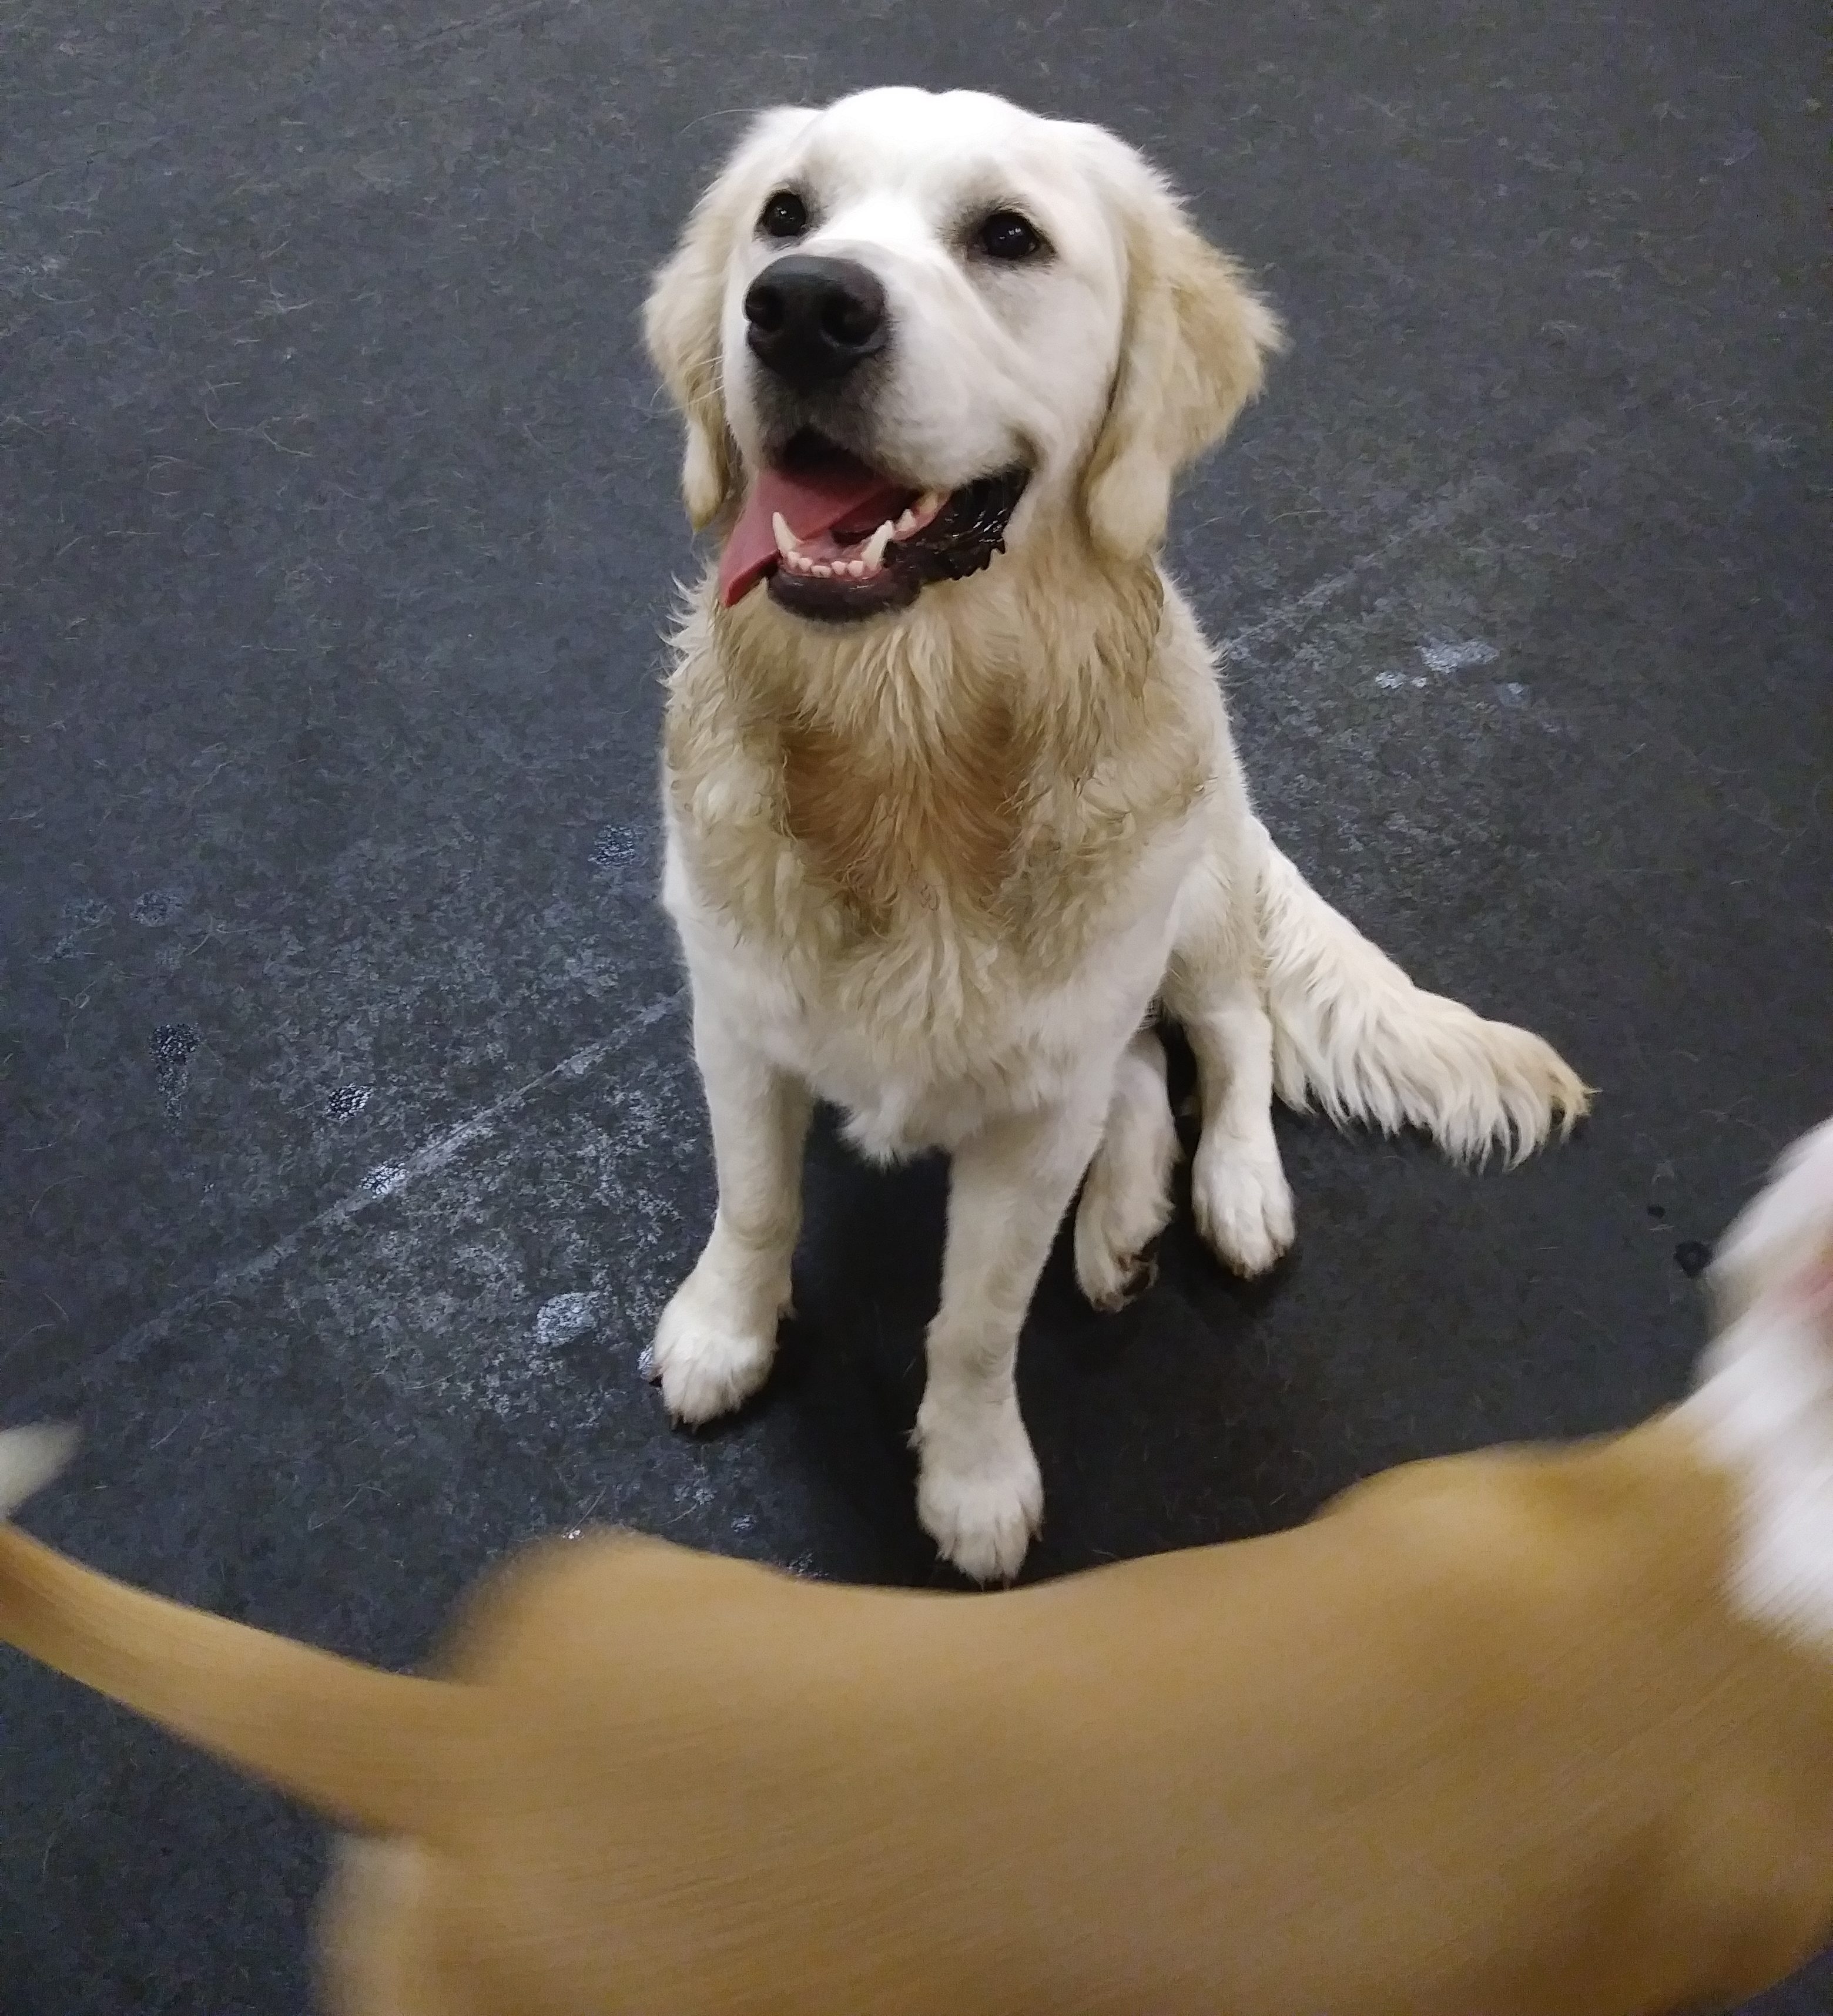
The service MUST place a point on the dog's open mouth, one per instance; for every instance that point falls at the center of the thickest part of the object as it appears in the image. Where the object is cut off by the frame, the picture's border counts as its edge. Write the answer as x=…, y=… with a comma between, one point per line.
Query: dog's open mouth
x=838, y=540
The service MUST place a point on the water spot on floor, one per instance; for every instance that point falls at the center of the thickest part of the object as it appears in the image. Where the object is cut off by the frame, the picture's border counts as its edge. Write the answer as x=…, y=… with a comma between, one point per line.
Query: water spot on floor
x=564, y=1318
x=1454, y=657
x=617, y=846
x=348, y=1101
x=157, y=906
x=1693, y=1257
x=384, y=1178
x=172, y=1045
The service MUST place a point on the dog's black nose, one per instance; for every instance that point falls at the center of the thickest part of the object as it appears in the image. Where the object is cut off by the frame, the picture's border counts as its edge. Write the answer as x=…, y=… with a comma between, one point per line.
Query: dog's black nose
x=812, y=320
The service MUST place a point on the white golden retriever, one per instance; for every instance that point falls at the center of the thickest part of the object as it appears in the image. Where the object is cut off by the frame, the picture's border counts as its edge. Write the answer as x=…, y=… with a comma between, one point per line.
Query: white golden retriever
x=951, y=799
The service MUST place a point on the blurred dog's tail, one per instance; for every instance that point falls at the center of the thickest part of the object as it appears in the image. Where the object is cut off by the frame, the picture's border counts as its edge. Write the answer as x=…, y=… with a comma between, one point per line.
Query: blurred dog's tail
x=368, y=1748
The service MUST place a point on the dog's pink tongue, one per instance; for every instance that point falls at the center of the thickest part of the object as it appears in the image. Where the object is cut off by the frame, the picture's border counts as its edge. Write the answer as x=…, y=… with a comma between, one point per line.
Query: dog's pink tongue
x=812, y=501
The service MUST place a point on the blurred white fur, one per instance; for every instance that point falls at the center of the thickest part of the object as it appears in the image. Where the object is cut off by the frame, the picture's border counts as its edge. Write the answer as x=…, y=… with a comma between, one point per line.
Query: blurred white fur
x=29, y=1458
x=1763, y=1403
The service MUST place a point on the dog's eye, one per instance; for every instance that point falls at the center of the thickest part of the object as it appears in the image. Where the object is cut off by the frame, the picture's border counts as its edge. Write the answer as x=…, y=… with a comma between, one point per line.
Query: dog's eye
x=784, y=216
x=1007, y=236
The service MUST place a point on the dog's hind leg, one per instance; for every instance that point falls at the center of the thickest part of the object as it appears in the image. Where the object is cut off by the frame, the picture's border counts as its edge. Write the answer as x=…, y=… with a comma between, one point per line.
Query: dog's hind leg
x=716, y=1338
x=1238, y=1190
x=1126, y=1197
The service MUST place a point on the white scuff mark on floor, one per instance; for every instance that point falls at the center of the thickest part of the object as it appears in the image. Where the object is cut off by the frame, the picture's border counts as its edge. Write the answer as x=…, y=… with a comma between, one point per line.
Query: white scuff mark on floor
x=562, y=1317
x=1435, y=515
x=693, y=1494
x=387, y=1180
x=453, y=1303
x=1454, y=657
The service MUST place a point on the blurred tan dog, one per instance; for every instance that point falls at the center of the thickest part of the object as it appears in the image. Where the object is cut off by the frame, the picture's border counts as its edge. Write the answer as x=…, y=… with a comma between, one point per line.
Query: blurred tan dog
x=951, y=795
x=1523, y=1733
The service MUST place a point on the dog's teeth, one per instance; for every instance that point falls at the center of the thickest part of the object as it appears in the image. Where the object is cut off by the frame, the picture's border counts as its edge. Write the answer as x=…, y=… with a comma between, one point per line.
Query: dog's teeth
x=873, y=552
x=787, y=543
x=906, y=524
x=931, y=502
x=822, y=570
x=858, y=569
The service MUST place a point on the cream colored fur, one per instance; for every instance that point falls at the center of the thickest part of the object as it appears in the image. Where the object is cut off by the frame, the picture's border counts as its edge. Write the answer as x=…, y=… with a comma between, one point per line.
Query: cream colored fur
x=940, y=868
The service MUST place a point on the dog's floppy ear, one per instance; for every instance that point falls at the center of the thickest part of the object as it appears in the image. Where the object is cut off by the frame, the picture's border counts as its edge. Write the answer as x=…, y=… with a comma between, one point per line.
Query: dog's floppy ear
x=1193, y=352
x=681, y=319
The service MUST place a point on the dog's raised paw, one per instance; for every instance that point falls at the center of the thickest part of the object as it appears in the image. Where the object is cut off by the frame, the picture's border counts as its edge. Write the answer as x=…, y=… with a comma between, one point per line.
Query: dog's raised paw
x=1242, y=1207
x=706, y=1363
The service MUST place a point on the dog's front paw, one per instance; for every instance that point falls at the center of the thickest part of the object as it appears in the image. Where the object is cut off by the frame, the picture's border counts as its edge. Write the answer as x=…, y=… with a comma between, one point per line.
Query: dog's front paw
x=1243, y=1206
x=979, y=1494
x=712, y=1349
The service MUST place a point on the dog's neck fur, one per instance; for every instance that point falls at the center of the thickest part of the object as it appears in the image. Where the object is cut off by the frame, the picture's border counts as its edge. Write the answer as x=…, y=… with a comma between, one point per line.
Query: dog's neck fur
x=1762, y=1410
x=941, y=762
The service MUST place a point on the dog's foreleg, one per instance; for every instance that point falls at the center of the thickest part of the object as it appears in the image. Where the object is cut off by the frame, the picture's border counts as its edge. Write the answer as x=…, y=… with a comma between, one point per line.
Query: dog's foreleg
x=715, y=1341
x=979, y=1494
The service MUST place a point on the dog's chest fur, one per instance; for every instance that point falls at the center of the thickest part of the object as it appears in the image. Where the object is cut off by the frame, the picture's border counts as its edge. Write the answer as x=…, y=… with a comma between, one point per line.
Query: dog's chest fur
x=913, y=844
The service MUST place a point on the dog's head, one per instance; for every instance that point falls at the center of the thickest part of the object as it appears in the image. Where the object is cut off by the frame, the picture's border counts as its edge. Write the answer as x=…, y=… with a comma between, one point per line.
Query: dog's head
x=1779, y=1251
x=889, y=322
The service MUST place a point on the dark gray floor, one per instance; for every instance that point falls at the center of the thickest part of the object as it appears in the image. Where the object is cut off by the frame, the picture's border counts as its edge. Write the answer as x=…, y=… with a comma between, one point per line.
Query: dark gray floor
x=350, y=1142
